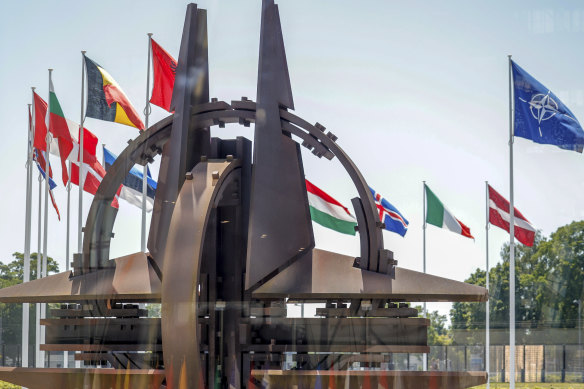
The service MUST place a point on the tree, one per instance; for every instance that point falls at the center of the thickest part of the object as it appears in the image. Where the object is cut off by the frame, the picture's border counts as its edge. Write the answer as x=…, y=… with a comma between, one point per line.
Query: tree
x=548, y=288
x=11, y=314
x=438, y=331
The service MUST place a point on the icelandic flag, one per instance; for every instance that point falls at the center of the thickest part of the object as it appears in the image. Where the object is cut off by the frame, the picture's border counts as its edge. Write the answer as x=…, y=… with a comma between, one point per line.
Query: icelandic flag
x=132, y=185
x=388, y=214
x=541, y=117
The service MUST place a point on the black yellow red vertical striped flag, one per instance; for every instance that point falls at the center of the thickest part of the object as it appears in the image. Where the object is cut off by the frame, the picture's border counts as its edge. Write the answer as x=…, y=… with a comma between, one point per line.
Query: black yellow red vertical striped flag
x=106, y=100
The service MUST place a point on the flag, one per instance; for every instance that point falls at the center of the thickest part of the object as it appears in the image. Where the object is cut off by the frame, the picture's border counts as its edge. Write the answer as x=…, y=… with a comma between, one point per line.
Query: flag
x=164, y=72
x=540, y=115
x=328, y=212
x=437, y=214
x=62, y=129
x=132, y=185
x=39, y=158
x=499, y=216
x=40, y=125
x=106, y=100
x=388, y=214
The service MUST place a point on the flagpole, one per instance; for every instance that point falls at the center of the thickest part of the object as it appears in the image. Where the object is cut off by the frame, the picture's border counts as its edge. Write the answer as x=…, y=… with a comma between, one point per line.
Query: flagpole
x=487, y=308
x=38, y=256
x=81, y=176
x=147, y=111
x=67, y=244
x=38, y=273
x=425, y=313
x=511, y=241
x=27, y=236
x=46, y=223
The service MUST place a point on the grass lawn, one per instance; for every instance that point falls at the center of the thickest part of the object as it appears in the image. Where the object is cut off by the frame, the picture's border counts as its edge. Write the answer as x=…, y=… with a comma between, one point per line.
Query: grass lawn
x=496, y=385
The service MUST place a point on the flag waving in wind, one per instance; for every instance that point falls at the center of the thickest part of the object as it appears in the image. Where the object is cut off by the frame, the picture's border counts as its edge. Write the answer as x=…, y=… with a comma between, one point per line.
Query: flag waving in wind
x=164, y=73
x=106, y=100
x=328, y=212
x=132, y=185
x=438, y=215
x=540, y=115
x=394, y=221
x=499, y=216
x=41, y=162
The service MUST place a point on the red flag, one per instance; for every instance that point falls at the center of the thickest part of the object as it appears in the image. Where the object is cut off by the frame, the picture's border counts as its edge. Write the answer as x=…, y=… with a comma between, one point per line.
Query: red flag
x=164, y=72
x=40, y=126
x=499, y=216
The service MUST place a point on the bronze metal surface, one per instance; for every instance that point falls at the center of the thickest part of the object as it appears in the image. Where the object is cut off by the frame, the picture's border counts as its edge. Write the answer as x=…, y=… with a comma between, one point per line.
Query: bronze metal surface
x=182, y=262
x=330, y=275
x=132, y=279
x=82, y=378
x=361, y=379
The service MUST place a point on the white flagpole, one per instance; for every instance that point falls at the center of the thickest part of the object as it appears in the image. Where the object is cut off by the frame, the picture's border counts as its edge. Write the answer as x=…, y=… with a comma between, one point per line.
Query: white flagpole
x=147, y=111
x=81, y=176
x=511, y=240
x=425, y=313
x=38, y=256
x=48, y=140
x=67, y=245
x=27, y=236
x=487, y=308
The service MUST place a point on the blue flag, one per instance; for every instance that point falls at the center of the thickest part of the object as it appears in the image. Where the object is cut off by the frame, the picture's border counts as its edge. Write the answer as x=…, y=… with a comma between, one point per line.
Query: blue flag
x=132, y=185
x=541, y=117
x=388, y=214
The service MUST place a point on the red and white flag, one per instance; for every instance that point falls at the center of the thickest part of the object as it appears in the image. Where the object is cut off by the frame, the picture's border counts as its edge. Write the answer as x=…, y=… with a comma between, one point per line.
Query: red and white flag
x=499, y=216
x=164, y=72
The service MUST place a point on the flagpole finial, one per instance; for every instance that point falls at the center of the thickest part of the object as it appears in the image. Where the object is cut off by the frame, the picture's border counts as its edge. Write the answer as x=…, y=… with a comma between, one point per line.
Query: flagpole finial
x=50, y=70
x=33, y=88
x=83, y=52
x=150, y=34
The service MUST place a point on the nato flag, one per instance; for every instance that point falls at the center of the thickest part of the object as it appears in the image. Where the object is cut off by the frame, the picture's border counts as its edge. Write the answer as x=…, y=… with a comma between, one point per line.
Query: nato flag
x=541, y=116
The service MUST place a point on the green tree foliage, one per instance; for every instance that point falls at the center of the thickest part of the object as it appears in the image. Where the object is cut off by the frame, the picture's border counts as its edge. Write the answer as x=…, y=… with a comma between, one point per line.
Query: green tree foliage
x=438, y=331
x=549, y=284
x=11, y=314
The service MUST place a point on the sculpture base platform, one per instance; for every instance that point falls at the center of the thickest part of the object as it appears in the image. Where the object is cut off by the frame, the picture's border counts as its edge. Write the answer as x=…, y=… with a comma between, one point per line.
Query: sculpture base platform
x=390, y=379
x=48, y=378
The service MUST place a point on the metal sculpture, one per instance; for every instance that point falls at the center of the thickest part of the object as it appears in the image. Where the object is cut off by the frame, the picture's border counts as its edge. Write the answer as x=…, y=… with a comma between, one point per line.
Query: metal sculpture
x=223, y=264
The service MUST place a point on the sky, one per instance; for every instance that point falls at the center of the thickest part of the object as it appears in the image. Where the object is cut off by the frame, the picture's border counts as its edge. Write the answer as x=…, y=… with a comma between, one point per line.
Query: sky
x=414, y=91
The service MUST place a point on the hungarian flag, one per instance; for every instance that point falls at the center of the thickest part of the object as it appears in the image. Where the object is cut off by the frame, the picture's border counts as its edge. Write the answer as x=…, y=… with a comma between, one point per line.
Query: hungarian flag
x=164, y=72
x=106, y=100
x=499, y=216
x=328, y=212
x=438, y=215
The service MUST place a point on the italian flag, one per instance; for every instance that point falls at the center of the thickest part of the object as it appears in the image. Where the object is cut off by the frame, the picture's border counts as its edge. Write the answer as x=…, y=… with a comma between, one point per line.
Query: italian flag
x=437, y=214
x=328, y=212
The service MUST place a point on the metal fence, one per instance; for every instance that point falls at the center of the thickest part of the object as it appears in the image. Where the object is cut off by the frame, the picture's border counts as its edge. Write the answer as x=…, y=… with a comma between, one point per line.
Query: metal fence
x=533, y=363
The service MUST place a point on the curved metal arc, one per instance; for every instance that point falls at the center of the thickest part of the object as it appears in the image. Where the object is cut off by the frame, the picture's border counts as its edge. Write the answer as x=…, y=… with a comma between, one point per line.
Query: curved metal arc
x=197, y=198
x=101, y=217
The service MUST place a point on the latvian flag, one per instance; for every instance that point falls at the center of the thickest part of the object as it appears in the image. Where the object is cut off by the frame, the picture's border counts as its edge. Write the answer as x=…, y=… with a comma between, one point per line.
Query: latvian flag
x=328, y=212
x=438, y=215
x=499, y=216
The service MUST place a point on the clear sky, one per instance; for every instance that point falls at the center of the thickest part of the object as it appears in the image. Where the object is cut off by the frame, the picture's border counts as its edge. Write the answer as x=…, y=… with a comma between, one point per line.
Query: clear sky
x=414, y=90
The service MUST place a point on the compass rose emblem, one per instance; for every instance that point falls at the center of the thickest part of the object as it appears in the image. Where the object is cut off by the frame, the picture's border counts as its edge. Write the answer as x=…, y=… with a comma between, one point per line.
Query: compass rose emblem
x=542, y=107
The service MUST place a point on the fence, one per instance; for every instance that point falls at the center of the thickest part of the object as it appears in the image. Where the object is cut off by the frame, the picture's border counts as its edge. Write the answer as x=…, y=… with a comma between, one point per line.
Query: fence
x=534, y=363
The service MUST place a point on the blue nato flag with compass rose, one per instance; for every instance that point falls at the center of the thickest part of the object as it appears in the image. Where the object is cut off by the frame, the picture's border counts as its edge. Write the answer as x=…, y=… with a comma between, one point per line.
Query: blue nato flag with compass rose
x=541, y=117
